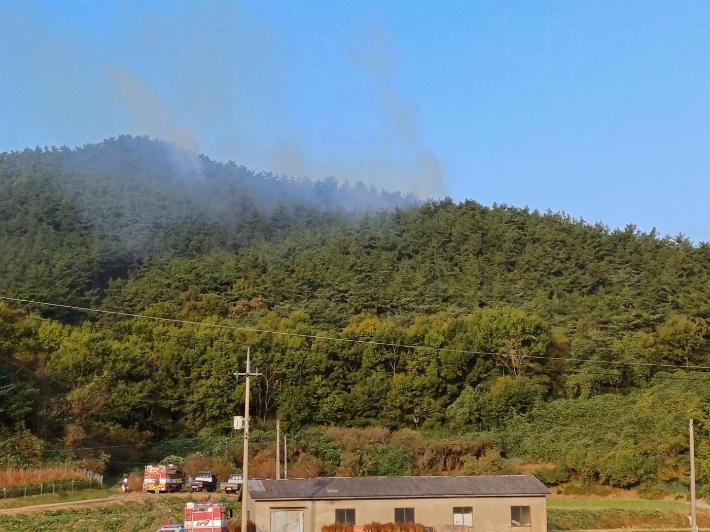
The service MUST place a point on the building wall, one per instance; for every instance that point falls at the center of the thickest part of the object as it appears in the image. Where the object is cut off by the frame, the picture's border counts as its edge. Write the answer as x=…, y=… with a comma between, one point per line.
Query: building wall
x=489, y=513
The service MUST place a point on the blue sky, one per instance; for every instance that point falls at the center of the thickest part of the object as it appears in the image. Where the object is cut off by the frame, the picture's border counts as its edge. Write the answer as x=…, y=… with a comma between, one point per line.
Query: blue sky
x=600, y=109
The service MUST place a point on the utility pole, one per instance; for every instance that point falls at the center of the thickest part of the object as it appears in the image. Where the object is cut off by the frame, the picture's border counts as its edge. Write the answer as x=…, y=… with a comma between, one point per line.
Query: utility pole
x=278, y=449
x=285, y=459
x=245, y=467
x=693, y=514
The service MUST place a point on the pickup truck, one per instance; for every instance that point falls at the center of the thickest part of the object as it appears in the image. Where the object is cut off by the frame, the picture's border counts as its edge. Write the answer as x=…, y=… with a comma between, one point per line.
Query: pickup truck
x=204, y=481
x=233, y=485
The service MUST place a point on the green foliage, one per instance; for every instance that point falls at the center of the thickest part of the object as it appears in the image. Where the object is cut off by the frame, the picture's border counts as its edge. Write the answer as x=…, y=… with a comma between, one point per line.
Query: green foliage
x=617, y=440
x=173, y=460
x=551, y=476
x=539, y=327
x=614, y=518
x=469, y=408
x=509, y=396
x=129, y=516
x=24, y=450
x=319, y=444
x=488, y=463
x=388, y=461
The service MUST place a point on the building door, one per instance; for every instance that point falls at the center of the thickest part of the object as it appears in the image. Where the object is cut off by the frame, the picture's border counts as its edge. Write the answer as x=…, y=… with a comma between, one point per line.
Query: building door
x=287, y=521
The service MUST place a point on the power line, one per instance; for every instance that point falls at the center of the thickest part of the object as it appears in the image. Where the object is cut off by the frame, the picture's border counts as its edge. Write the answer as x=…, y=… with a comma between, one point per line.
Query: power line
x=347, y=340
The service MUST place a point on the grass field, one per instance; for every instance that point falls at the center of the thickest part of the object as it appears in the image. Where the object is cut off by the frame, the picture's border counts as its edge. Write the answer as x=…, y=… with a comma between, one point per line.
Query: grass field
x=47, y=498
x=144, y=515
x=129, y=516
x=619, y=504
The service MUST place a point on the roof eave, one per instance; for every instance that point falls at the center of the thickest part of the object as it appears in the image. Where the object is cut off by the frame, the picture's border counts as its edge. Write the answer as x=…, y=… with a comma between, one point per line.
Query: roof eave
x=380, y=497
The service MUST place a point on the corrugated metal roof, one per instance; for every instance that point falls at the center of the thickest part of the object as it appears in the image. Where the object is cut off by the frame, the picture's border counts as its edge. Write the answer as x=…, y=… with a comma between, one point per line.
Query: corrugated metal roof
x=396, y=487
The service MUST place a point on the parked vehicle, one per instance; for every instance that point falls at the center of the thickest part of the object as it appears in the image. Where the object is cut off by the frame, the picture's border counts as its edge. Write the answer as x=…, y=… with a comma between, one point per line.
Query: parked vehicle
x=206, y=516
x=233, y=484
x=172, y=527
x=204, y=481
x=162, y=479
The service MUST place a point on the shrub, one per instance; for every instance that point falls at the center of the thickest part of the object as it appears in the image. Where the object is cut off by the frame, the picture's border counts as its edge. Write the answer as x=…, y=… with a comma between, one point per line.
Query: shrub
x=337, y=527
x=263, y=464
x=408, y=439
x=551, y=476
x=179, y=447
x=489, y=463
x=449, y=455
x=352, y=439
x=320, y=445
x=174, y=460
x=355, y=464
x=387, y=461
x=394, y=527
x=307, y=466
x=193, y=464
x=221, y=468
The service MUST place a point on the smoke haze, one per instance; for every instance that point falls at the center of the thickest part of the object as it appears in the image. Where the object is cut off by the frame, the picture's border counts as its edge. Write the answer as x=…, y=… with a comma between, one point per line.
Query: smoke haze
x=377, y=56
x=150, y=114
x=216, y=79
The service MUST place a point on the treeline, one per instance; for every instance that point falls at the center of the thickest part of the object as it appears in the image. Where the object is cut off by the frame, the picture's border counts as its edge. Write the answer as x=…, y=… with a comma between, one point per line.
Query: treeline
x=73, y=219
x=552, y=335
x=474, y=370
x=538, y=395
x=123, y=224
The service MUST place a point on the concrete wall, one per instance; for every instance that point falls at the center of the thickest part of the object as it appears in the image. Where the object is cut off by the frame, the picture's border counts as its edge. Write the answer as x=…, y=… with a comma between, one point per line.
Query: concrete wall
x=490, y=514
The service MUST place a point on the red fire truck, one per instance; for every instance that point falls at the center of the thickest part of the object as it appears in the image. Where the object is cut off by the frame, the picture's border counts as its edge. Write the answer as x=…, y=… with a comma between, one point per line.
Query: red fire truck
x=206, y=517
x=162, y=478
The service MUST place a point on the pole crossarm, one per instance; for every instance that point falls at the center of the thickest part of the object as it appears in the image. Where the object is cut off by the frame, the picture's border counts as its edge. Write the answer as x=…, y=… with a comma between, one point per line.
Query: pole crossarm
x=248, y=372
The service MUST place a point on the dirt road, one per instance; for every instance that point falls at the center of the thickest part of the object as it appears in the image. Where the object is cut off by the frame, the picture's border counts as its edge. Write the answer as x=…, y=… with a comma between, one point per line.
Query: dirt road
x=88, y=503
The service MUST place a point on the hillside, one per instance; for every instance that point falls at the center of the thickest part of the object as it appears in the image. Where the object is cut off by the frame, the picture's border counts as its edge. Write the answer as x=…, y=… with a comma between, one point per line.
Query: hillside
x=74, y=219
x=562, y=341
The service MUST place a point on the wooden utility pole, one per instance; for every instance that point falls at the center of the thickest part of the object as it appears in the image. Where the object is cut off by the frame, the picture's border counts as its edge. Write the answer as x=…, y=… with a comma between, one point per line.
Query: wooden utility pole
x=693, y=513
x=245, y=466
x=278, y=450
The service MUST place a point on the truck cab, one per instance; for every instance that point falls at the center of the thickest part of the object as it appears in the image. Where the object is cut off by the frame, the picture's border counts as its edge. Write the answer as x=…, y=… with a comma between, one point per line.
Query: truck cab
x=204, y=481
x=233, y=484
x=162, y=478
x=207, y=516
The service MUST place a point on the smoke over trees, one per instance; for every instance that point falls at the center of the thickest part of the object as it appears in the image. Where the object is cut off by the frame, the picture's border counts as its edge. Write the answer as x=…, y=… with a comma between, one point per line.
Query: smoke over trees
x=462, y=317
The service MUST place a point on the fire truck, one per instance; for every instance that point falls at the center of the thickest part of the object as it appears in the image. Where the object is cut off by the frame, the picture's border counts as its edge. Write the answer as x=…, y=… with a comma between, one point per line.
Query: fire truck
x=162, y=478
x=206, y=517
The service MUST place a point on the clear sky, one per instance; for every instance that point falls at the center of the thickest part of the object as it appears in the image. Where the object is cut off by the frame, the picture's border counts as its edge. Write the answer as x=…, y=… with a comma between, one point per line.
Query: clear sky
x=597, y=108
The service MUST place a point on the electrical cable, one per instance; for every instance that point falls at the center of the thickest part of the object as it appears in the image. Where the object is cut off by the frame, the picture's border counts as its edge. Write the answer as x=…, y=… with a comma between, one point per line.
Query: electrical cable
x=346, y=340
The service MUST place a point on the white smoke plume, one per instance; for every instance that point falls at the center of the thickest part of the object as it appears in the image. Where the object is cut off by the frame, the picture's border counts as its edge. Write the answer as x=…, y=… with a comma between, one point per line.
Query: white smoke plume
x=151, y=116
x=424, y=173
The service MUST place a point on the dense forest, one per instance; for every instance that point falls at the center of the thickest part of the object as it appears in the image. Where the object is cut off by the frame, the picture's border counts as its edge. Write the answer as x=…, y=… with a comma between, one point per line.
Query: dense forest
x=456, y=337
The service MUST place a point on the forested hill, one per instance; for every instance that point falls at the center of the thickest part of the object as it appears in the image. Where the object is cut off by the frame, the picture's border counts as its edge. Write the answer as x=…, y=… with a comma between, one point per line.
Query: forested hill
x=541, y=328
x=139, y=222
x=74, y=218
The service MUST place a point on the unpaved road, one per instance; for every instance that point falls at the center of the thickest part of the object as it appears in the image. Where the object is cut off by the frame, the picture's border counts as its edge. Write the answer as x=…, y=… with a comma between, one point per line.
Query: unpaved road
x=88, y=503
